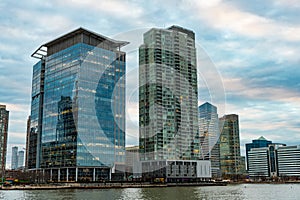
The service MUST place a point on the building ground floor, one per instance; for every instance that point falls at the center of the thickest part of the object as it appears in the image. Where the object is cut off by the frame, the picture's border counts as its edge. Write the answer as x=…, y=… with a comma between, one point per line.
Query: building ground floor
x=173, y=170
x=77, y=174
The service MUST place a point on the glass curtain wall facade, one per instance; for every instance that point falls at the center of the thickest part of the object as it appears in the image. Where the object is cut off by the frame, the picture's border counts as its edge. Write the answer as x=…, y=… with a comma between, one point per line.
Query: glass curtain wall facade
x=168, y=96
x=83, y=109
x=209, y=136
x=4, y=116
x=27, y=142
x=230, y=156
x=36, y=118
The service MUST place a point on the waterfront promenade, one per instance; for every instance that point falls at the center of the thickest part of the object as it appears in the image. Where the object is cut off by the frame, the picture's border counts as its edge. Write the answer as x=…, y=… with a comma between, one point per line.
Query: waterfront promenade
x=106, y=185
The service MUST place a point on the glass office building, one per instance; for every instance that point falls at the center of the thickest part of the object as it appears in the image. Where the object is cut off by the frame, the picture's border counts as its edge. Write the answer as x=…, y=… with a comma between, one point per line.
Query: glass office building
x=230, y=154
x=4, y=115
x=168, y=96
x=209, y=136
x=78, y=107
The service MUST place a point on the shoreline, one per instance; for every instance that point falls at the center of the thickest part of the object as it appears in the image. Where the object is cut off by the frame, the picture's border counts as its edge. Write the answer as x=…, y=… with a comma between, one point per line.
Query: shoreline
x=120, y=185
x=104, y=186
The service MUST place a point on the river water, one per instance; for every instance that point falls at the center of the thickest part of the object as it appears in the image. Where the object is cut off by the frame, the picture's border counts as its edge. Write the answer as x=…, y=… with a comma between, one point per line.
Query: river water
x=232, y=192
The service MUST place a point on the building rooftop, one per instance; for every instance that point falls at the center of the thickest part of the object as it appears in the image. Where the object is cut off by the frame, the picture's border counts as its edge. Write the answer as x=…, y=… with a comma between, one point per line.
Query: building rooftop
x=69, y=39
x=261, y=138
x=183, y=30
x=88, y=32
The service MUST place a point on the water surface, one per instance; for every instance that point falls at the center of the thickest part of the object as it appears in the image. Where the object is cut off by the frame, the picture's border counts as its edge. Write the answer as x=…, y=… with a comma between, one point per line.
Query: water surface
x=232, y=192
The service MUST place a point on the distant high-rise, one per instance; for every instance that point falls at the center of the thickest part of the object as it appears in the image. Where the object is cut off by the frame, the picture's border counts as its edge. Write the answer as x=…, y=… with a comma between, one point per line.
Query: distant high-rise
x=230, y=156
x=209, y=136
x=20, y=159
x=14, y=158
x=77, y=126
x=4, y=116
x=168, y=96
x=27, y=142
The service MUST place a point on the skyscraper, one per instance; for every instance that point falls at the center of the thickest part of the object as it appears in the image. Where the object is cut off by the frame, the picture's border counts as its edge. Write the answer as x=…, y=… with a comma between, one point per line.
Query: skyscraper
x=209, y=136
x=27, y=142
x=168, y=118
x=230, y=156
x=14, y=158
x=4, y=115
x=20, y=159
x=78, y=107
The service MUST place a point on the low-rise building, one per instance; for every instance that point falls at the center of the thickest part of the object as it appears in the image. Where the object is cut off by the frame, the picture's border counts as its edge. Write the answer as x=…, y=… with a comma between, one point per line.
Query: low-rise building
x=132, y=158
x=274, y=160
x=258, y=162
x=176, y=170
x=289, y=161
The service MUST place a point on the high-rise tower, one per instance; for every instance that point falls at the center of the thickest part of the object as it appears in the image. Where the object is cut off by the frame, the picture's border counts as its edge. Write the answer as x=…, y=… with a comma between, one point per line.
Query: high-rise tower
x=4, y=115
x=77, y=127
x=230, y=153
x=209, y=133
x=21, y=155
x=14, y=158
x=168, y=96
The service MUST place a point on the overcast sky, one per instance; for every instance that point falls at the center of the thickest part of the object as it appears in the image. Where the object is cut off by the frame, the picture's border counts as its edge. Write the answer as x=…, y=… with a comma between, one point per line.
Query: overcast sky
x=248, y=52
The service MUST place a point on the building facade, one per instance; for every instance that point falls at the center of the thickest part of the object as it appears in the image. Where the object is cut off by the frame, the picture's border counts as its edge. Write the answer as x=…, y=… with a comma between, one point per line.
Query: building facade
x=176, y=170
x=27, y=142
x=77, y=126
x=4, y=117
x=168, y=118
x=258, y=162
x=289, y=161
x=14, y=158
x=132, y=159
x=209, y=136
x=258, y=143
x=21, y=155
x=275, y=160
x=230, y=156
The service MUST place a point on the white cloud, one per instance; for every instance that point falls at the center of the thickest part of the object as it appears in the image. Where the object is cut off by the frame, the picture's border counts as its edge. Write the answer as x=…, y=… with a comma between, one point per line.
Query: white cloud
x=224, y=16
x=117, y=9
x=288, y=3
x=237, y=86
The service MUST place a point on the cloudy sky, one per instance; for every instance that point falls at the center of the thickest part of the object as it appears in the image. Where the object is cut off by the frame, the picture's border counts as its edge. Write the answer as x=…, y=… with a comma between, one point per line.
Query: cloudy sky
x=248, y=55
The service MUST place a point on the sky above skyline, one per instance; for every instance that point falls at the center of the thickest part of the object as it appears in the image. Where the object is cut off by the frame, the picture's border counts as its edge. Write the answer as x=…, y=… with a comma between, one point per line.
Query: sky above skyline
x=248, y=52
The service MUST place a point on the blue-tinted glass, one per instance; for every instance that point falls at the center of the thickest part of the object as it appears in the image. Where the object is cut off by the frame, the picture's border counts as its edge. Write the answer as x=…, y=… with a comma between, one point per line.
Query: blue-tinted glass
x=84, y=108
